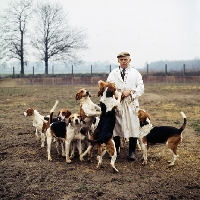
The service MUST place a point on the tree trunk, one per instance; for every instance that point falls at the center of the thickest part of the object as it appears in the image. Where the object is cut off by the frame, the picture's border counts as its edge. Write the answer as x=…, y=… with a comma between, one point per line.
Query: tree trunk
x=46, y=65
x=22, y=54
x=46, y=57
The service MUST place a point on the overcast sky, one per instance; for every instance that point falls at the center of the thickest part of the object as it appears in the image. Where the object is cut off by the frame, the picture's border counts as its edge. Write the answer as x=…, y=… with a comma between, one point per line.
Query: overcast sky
x=150, y=30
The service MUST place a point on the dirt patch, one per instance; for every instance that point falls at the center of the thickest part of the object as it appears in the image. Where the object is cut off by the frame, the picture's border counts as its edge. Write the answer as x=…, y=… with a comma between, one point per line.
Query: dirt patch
x=25, y=172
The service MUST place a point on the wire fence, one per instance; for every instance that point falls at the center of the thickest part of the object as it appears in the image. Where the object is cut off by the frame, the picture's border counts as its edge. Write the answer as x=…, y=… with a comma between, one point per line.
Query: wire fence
x=15, y=72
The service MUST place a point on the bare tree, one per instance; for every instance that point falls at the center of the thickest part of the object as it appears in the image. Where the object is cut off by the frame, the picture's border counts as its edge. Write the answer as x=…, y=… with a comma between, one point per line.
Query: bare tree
x=53, y=38
x=13, y=29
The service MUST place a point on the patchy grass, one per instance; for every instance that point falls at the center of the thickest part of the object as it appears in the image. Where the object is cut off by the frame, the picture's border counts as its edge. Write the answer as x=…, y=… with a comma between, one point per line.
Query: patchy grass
x=196, y=125
x=24, y=162
x=185, y=88
x=163, y=101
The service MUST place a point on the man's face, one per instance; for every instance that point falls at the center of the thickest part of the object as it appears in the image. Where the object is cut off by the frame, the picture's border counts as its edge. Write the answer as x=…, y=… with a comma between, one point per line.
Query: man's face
x=124, y=61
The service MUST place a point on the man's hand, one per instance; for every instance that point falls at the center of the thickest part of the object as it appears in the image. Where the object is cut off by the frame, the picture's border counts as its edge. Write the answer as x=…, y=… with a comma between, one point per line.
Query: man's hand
x=126, y=93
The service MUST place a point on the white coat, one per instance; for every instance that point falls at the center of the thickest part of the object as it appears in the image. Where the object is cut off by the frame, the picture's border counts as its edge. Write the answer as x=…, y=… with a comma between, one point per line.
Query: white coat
x=127, y=122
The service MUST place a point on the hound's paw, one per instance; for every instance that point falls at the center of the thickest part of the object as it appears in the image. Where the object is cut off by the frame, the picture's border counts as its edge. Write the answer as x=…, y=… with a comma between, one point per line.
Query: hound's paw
x=68, y=161
x=100, y=166
x=115, y=170
x=171, y=164
x=144, y=162
x=81, y=158
x=169, y=161
x=50, y=159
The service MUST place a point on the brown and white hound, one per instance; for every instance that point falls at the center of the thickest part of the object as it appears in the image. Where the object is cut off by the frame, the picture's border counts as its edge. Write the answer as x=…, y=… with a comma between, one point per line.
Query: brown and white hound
x=102, y=136
x=65, y=133
x=88, y=109
x=150, y=135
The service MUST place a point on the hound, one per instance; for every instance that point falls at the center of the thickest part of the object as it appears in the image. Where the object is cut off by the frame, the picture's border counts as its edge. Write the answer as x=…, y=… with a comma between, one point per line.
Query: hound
x=65, y=133
x=150, y=135
x=102, y=136
x=88, y=109
x=63, y=115
x=39, y=122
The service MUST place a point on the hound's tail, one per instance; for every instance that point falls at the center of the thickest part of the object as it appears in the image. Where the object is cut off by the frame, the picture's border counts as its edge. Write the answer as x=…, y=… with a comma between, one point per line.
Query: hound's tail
x=184, y=123
x=52, y=111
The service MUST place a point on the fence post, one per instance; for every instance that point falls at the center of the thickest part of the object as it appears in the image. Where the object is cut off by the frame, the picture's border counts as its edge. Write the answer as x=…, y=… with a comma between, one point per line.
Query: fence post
x=110, y=68
x=165, y=69
x=72, y=70
x=13, y=72
x=33, y=70
x=91, y=69
x=52, y=69
x=183, y=69
x=147, y=70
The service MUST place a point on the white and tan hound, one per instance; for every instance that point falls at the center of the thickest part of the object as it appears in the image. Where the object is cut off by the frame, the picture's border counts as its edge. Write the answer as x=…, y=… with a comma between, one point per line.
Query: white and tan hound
x=39, y=122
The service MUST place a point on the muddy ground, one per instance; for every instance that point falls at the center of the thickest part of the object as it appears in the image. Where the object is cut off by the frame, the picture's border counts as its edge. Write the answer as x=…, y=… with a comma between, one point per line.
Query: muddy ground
x=25, y=172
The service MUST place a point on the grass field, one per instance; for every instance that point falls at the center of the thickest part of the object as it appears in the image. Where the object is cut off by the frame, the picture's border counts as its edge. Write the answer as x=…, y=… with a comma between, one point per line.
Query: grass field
x=25, y=172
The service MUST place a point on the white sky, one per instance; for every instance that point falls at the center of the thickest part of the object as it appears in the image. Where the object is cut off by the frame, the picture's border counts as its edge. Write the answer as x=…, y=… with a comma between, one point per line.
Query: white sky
x=150, y=30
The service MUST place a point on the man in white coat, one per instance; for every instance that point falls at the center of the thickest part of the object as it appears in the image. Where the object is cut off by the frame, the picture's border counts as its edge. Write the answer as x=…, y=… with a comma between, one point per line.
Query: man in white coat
x=129, y=82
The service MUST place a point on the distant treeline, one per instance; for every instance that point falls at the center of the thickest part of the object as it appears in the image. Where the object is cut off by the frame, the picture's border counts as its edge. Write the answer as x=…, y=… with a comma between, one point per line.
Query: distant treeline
x=172, y=66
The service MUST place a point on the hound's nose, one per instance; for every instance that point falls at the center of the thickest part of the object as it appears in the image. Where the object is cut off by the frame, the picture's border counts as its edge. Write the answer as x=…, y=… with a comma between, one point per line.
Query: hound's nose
x=76, y=121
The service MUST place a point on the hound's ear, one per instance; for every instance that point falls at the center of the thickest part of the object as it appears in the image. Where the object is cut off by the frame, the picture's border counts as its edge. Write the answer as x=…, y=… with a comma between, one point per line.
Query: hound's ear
x=101, y=90
x=101, y=85
x=122, y=97
x=82, y=114
x=77, y=96
x=140, y=114
x=147, y=115
x=100, y=93
x=81, y=119
x=68, y=114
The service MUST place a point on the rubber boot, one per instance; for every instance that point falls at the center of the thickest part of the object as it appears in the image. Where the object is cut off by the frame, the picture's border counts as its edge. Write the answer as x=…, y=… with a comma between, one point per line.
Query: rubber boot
x=117, y=143
x=132, y=148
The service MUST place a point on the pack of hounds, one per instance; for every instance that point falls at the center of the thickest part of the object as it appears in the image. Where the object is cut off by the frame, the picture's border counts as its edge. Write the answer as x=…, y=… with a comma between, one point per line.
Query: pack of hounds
x=93, y=127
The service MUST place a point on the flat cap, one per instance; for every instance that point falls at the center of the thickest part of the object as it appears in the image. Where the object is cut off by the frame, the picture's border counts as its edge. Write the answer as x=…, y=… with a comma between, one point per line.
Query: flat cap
x=123, y=54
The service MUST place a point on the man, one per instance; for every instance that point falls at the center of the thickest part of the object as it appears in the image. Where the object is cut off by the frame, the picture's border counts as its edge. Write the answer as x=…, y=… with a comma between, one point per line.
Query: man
x=129, y=82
